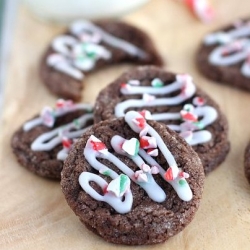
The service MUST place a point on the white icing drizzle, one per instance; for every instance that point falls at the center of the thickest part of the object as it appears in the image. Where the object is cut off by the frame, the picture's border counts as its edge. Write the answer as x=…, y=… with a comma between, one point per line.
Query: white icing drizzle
x=171, y=101
x=236, y=44
x=207, y=113
x=82, y=26
x=91, y=156
x=63, y=153
x=183, y=191
x=116, y=202
x=61, y=63
x=48, y=141
x=57, y=113
x=81, y=54
x=154, y=191
x=96, y=149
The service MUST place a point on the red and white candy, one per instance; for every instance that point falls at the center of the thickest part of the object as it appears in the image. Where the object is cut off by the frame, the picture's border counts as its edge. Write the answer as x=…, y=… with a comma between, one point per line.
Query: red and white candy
x=202, y=9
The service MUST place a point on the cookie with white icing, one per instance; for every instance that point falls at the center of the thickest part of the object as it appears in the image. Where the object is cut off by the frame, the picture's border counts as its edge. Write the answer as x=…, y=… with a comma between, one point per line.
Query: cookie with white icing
x=133, y=181
x=88, y=46
x=43, y=142
x=224, y=55
x=174, y=100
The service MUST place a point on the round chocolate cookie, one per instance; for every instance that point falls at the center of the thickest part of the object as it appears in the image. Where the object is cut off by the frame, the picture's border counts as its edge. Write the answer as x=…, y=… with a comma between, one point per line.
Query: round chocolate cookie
x=174, y=100
x=133, y=181
x=42, y=143
x=223, y=55
x=247, y=162
x=88, y=46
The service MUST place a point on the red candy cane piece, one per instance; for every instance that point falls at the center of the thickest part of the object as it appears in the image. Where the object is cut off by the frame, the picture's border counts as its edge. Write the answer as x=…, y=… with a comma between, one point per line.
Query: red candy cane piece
x=169, y=174
x=66, y=143
x=140, y=122
x=201, y=9
x=187, y=116
x=98, y=146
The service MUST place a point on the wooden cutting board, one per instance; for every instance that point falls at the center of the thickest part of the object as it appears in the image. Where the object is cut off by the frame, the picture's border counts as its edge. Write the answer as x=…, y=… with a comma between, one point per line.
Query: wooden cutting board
x=33, y=212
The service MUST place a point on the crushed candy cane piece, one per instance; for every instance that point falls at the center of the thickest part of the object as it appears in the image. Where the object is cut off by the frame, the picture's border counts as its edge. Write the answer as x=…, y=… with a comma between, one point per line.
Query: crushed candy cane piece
x=119, y=185
x=48, y=117
x=131, y=146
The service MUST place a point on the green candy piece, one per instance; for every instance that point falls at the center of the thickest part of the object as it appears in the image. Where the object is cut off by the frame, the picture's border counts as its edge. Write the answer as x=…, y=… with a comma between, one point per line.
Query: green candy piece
x=91, y=54
x=123, y=182
x=182, y=182
x=157, y=83
x=199, y=125
x=76, y=123
x=107, y=173
x=137, y=147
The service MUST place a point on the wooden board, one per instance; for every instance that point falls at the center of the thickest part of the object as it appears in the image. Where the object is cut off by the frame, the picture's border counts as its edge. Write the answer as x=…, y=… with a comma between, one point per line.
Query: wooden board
x=33, y=212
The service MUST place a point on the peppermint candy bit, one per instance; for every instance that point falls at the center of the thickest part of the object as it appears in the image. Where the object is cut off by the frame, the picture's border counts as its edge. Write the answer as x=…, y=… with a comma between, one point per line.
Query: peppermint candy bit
x=157, y=83
x=66, y=142
x=188, y=116
x=125, y=86
x=105, y=172
x=182, y=182
x=119, y=185
x=131, y=146
x=141, y=176
x=48, y=117
x=188, y=126
x=77, y=124
x=148, y=142
x=61, y=103
x=198, y=101
x=198, y=125
x=154, y=170
x=145, y=168
x=140, y=122
x=183, y=174
x=153, y=152
x=148, y=98
x=171, y=173
x=146, y=114
x=98, y=146
x=188, y=108
x=144, y=131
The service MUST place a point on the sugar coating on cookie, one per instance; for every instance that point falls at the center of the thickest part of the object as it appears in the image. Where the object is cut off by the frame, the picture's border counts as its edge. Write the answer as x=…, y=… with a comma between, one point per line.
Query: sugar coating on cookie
x=174, y=100
x=224, y=55
x=125, y=194
x=42, y=143
x=87, y=46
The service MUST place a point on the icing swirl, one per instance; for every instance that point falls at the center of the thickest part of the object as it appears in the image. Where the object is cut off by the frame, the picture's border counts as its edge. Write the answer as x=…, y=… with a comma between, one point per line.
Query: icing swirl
x=232, y=47
x=134, y=150
x=79, y=52
x=195, y=128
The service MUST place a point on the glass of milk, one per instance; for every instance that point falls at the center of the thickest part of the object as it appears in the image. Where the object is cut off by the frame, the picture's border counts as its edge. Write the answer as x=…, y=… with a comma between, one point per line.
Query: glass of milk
x=65, y=11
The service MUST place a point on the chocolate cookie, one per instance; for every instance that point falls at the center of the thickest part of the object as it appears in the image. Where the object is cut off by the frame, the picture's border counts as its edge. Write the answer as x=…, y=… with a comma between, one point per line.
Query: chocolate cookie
x=171, y=99
x=133, y=181
x=42, y=143
x=88, y=46
x=224, y=55
x=247, y=162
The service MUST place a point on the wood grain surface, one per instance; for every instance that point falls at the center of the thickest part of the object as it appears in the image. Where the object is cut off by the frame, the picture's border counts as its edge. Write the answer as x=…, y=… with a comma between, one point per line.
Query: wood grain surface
x=33, y=212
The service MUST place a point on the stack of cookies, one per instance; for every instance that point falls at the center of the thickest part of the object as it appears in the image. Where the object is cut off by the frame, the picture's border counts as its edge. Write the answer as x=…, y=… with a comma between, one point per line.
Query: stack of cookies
x=132, y=166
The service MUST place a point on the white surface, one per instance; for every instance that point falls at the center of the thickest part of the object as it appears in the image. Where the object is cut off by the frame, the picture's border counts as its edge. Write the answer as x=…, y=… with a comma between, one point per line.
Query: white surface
x=66, y=10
